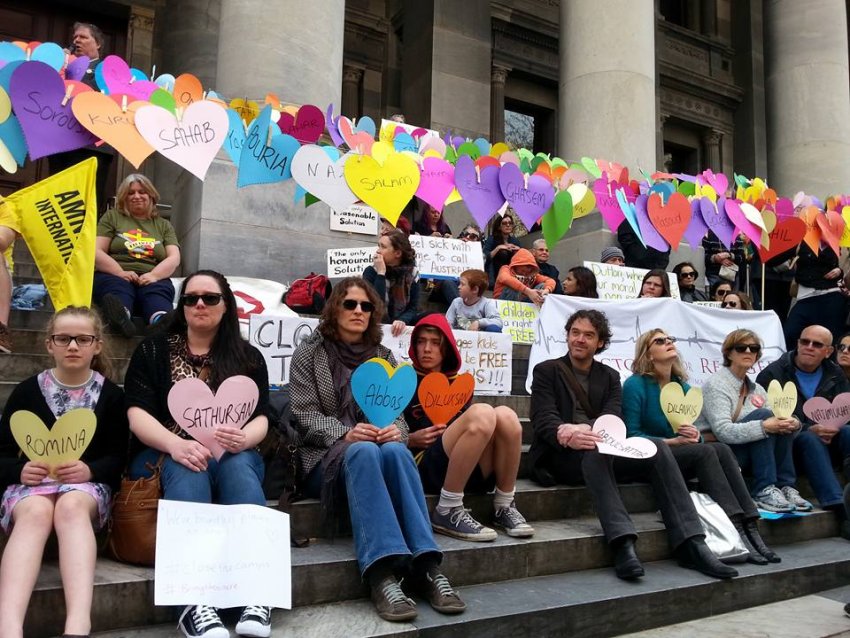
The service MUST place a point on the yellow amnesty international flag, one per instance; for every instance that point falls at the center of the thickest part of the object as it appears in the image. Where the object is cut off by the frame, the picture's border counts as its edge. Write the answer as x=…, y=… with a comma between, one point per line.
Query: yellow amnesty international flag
x=58, y=218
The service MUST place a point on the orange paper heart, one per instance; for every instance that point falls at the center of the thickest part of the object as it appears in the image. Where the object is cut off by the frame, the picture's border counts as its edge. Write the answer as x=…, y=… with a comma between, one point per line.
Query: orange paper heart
x=187, y=90
x=831, y=226
x=106, y=119
x=672, y=219
x=442, y=400
x=812, y=236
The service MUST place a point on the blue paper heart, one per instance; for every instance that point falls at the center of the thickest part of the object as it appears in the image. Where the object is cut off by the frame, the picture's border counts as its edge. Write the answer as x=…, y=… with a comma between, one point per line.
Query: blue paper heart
x=50, y=53
x=11, y=52
x=664, y=190
x=629, y=212
x=235, y=139
x=10, y=131
x=262, y=163
x=483, y=145
x=381, y=394
x=365, y=123
x=404, y=142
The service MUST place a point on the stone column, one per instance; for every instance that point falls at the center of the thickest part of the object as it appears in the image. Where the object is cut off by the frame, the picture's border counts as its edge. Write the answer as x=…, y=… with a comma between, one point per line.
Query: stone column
x=607, y=83
x=708, y=18
x=808, y=97
x=352, y=76
x=711, y=139
x=498, y=76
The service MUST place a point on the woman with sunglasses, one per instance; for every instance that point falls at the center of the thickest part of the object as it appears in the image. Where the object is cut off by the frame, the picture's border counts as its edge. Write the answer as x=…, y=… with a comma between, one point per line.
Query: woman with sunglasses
x=343, y=456
x=500, y=246
x=202, y=341
x=687, y=275
x=843, y=354
x=719, y=289
x=736, y=300
x=713, y=464
x=734, y=411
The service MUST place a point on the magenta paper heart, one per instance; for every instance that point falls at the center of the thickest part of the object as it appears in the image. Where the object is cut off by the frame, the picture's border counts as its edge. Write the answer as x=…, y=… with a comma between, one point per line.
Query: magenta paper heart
x=697, y=229
x=614, y=440
x=530, y=196
x=37, y=91
x=715, y=218
x=437, y=182
x=784, y=208
x=200, y=413
x=118, y=79
x=606, y=202
x=306, y=127
x=834, y=414
x=718, y=181
x=651, y=237
x=483, y=198
x=737, y=217
x=77, y=69
x=193, y=141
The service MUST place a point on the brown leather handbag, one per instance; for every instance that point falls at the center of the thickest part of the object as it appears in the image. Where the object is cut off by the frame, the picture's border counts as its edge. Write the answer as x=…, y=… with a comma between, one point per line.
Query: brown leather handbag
x=132, y=531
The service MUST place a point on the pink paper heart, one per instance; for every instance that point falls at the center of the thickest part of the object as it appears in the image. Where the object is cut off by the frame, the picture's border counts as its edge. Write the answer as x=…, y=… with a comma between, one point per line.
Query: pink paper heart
x=718, y=181
x=831, y=226
x=307, y=126
x=784, y=207
x=834, y=414
x=606, y=201
x=199, y=412
x=358, y=141
x=737, y=217
x=432, y=143
x=437, y=182
x=116, y=74
x=614, y=440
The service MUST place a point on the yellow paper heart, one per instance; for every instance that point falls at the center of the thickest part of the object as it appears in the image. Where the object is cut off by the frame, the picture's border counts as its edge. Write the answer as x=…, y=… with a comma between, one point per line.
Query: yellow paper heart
x=583, y=200
x=387, y=134
x=65, y=441
x=769, y=224
x=381, y=151
x=498, y=148
x=5, y=105
x=680, y=408
x=387, y=188
x=845, y=237
x=453, y=197
x=782, y=400
x=706, y=190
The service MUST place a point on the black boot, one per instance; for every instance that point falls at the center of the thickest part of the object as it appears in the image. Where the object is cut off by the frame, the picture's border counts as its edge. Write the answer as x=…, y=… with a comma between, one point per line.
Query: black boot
x=695, y=554
x=626, y=563
x=752, y=529
x=755, y=556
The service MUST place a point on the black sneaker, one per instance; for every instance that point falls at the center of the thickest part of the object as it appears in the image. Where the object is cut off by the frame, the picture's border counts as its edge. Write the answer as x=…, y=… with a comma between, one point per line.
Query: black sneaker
x=255, y=620
x=202, y=621
x=391, y=602
x=116, y=315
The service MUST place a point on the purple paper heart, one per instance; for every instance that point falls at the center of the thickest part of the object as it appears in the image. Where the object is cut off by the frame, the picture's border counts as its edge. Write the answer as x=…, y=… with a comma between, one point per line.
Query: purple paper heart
x=331, y=125
x=651, y=237
x=482, y=197
x=717, y=221
x=37, y=91
x=696, y=229
x=77, y=69
x=530, y=199
x=606, y=202
x=744, y=225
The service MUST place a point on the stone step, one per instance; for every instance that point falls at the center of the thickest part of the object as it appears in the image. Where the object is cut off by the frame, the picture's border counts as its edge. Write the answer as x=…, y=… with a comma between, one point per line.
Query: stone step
x=587, y=603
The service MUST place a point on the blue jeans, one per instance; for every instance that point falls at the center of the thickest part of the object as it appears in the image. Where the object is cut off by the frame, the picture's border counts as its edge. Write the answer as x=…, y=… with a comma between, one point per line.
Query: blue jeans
x=491, y=328
x=509, y=294
x=236, y=479
x=771, y=460
x=386, y=503
x=815, y=460
x=142, y=301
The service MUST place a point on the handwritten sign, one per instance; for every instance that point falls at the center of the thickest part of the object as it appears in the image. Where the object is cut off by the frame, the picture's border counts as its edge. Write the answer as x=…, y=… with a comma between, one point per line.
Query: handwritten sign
x=349, y=262
x=357, y=218
x=386, y=187
x=200, y=413
x=321, y=171
x=621, y=282
x=112, y=123
x=222, y=555
x=680, y=408
x=783, y=399
x=834, y=414
x=65, y=441
x=442, y=399
x=519, y=320
x=263, y=161
x=445, y=258
x=614, y=441
x=530, y=197
x=381, y=391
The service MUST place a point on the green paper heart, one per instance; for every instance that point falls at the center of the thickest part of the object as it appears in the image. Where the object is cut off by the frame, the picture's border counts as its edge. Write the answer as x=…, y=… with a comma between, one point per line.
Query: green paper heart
x=524, y=153
x=589, y=164
x=309, y=200
x=163, y=98
x=451, y=155
x=558, y=219
x=469, y=148
x=687, y=189
x=557, y=161
x=741, y=180
x=525, y=166
x=537, y=161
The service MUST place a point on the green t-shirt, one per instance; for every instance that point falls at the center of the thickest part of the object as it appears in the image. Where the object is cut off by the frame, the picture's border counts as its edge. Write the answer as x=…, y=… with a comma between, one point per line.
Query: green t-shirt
x=137, y=245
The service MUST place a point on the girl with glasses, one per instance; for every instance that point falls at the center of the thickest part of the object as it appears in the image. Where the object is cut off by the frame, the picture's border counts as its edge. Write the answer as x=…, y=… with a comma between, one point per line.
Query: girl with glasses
x=72, y=498
x=713, y=464
x=735, y=411
x=687, y=276
x=201, y=341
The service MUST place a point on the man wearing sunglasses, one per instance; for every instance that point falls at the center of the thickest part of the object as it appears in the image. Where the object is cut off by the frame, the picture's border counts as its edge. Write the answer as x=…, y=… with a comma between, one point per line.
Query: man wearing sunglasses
x=815, y=374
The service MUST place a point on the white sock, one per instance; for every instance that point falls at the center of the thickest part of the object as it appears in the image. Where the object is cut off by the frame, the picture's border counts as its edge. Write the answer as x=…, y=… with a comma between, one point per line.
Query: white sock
x=449, y=500
x=503, y=499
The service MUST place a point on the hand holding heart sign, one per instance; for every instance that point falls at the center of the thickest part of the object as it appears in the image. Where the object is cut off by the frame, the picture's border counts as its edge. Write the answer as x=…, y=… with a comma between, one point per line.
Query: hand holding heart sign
x=680, y=408
x=65, y=441
x=381, y=391
x=614, y=441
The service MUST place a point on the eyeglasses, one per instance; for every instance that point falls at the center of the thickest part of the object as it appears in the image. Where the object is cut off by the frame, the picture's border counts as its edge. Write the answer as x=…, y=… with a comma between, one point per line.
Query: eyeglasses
x=691, y=274
x=747, y=347
x=209, y=299
x=63, y=341
x=814, y=344
x=729, y=304
x=842, y=347
x=351, y=304
x=663, y=341
x=472, y=236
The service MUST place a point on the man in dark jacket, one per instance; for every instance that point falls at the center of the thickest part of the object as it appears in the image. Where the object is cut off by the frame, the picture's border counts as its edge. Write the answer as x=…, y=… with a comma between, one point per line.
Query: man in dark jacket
x=810, y=368
x=567, y=395
x=541, y=256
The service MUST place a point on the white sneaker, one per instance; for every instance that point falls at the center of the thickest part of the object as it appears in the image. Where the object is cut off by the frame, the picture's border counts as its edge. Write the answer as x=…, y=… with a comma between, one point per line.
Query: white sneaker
x=255, y=621
x=202, y=621
x=772, y=499
x=793, y=496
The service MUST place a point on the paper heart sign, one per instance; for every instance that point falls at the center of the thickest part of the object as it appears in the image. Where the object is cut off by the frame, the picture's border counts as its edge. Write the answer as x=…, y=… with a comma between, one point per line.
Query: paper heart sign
x=845, y=236
x=199, y=412
x=381, y=391
x=530, y=196
x=486, y=160
x=332, y=126
x=436, y=183
x=671, y=220
x=114, y=125
x=442, y=399
x=834, y=414
x=187, y=90
x=628, y=209
x=650, y=236
x=114, y=75
x=323, y=176
x=358, y=139
x=782, y=399
x=606, y=202
x=386, y=187
x=584, y=201
x=192, y=141
x=265, y=161
x=832, y=227
x=77, y=68
x=696, y=229
x=614, y=441
x=680, y=408
x=248, y=110
x=787, y=234
x=37, y=92
x=236, y=135
x=558, y=219
x=50, y=53
x=404, y=142
x=480, y=189
x=432, y=143
x=813, y=234
x=591, y=166
x=66, y=441
x=306, y=126
x=9, y=52
x=715, y=218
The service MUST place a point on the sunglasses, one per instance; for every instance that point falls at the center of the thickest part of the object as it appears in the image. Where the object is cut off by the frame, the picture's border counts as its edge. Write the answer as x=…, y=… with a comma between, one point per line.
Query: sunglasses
x=63, y=341
x=209, y=299
x=729, y=304
x=691, y=274
x=472, y=236
x=814, y=344
x=722, y=293
x=663, y=341
x=351, y=304
x=842, y=347
x=747, y=347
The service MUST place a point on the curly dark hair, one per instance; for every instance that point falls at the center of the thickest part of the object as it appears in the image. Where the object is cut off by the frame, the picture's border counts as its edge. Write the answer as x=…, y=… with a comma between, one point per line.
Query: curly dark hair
x=599, y=322
x=333, y=306
x=400, y=242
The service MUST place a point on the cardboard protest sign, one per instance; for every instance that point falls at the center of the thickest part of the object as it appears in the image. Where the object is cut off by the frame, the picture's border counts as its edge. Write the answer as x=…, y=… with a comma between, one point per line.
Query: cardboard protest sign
x=357, y=218
x=833, y=413
x=622, y=282
x=615, y=442
x=442, y=399
x=199, y=412
x=66, y=441
x=382, y=391
x=349, y=262
x=680, y=408
x=518, y=319
x=782, y=399
x=445, y=258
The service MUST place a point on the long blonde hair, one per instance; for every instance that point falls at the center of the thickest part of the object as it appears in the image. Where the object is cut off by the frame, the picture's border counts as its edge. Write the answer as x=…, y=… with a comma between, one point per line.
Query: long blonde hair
x=643, y=365
x=102, y=362
x=124, y=192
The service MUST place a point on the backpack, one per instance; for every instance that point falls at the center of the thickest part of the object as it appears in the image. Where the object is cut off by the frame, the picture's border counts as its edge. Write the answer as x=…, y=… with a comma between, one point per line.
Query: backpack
x=308, y=294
